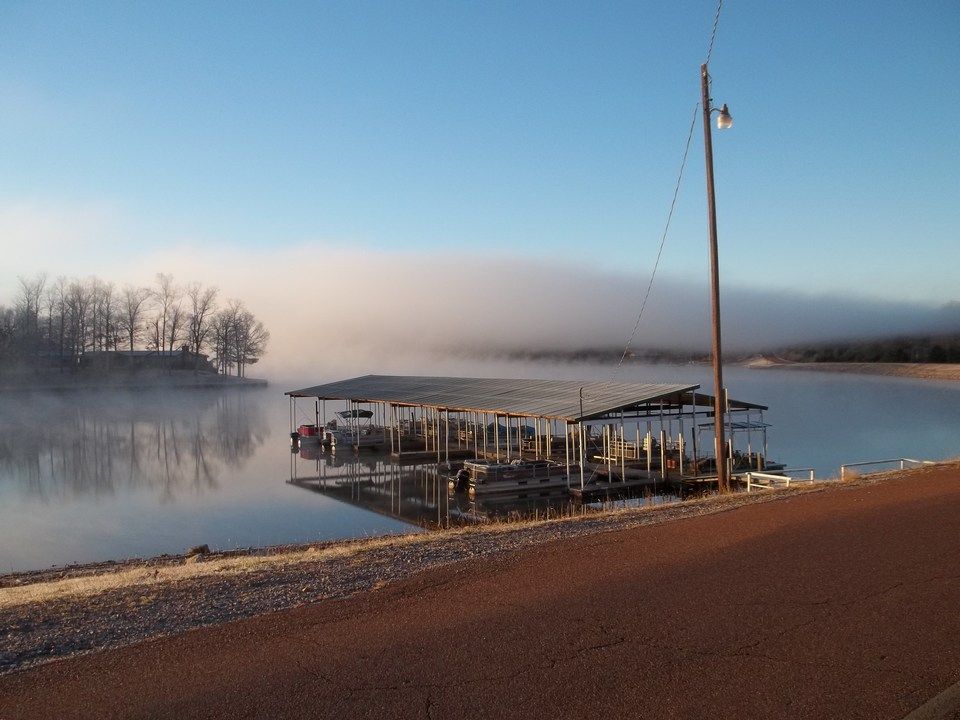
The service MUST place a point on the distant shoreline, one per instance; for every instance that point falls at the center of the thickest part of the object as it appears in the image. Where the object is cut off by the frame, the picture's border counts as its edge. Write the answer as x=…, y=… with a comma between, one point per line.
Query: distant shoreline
x=921, y=371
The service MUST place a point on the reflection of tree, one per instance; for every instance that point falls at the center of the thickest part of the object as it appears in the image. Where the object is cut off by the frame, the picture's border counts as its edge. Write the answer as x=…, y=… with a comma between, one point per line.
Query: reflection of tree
x=95, y=444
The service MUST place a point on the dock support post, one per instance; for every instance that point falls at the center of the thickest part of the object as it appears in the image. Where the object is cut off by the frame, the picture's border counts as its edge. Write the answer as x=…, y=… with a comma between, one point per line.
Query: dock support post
x=663, y=453
x=623, y=452
x=486, y=445
x=693, y=435
x=607, y=439
x=520, y=434
x=680, y=442
x=582, y=457
x=763, y=464
x=649, y=443
x=566, y=449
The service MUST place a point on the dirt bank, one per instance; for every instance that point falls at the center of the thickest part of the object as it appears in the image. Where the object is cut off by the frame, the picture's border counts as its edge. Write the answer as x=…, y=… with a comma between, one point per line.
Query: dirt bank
x=836, y=602
x=923, y=371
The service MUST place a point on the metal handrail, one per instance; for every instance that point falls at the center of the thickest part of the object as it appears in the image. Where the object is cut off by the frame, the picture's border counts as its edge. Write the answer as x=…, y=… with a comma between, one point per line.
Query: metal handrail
x=771, y=478
x=903, y=461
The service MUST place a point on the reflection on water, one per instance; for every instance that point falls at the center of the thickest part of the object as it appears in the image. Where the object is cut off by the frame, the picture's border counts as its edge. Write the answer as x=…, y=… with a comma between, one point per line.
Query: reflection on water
x=414, y=493
x=55, y=448
x=419, y=493
x=90, y=476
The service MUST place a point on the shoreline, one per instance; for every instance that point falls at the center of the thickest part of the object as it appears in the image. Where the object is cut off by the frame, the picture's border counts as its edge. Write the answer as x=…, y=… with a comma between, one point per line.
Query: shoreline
x=949, y=372
x=57, y=613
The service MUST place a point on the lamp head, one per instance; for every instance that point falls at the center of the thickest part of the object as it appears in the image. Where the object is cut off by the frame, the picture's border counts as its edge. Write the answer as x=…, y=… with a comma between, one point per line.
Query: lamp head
x=724, y=121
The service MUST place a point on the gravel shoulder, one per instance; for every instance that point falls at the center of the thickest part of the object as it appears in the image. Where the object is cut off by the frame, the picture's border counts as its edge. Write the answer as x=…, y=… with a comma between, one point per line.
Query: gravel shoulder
x=59, y=613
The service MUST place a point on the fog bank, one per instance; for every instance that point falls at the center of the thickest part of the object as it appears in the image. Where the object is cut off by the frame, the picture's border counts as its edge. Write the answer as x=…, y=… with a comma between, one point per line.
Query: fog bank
x=360, y=310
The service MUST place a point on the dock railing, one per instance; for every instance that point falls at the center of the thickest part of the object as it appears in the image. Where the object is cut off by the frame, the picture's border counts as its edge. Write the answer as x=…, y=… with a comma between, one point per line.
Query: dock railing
x=903, y=462
x=769, y=481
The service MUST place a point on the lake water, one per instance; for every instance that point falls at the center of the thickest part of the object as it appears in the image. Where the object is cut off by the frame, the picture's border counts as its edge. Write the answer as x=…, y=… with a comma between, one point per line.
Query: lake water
x=92, y=476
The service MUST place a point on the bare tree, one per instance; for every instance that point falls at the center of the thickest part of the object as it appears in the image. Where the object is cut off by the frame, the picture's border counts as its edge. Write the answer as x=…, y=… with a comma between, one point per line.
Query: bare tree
x=27, y=312
x=78, y=317
x=176, y=319
x=57, y=313
x=252, y=340
x=8, y=333
x=103, y=315
x=202, y=309
x=133, y=305
x=166, y=295
x=241, y=338
x=238, y=338
x=223, y=334
x=220, y=341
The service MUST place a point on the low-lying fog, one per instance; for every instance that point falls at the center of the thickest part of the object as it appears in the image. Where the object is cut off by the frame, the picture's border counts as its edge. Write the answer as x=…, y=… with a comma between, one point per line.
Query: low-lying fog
x=334, y=311
x=343, y=312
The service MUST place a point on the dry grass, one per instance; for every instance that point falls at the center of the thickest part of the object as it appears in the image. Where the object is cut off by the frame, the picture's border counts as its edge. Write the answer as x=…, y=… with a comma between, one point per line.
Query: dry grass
x=189, y=569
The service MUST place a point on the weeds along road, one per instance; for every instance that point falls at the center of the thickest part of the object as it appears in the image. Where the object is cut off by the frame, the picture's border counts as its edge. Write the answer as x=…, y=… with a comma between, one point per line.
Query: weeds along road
x=842, y=603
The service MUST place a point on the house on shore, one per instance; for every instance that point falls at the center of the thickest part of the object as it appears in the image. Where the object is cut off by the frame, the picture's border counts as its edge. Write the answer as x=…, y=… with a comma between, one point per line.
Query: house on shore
x=149, y=360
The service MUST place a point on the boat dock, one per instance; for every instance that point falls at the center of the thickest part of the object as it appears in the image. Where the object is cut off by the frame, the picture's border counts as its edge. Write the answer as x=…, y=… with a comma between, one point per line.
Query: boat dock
x=600, y=436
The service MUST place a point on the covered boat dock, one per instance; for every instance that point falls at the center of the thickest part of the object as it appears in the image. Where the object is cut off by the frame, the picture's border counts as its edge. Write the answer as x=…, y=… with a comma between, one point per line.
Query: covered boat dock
x=617, y=429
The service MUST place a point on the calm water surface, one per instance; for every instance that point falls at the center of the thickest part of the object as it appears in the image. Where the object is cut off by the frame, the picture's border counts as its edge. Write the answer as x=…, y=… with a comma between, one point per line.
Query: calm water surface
x=95, y=476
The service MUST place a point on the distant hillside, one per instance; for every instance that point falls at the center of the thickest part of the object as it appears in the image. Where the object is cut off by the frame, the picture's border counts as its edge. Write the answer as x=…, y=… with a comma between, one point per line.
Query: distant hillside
x=931, y=349
x=599, y=355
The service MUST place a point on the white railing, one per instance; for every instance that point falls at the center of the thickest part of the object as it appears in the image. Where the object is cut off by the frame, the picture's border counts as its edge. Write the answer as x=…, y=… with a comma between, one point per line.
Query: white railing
x=780, y=480
x=903, y=462
x=806, y=471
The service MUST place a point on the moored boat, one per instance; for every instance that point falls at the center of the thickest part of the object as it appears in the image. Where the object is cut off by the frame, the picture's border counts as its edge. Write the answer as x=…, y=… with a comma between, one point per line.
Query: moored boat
x=488, y=476
x=308, y=434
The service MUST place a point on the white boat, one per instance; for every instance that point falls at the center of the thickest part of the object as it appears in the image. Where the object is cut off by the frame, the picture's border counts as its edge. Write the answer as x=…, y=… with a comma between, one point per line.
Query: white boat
x=353, y=429
x=483, y=477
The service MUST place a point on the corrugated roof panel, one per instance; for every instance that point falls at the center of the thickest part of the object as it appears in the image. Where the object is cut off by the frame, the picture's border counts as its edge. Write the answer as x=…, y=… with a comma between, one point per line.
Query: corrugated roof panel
x=532, y=398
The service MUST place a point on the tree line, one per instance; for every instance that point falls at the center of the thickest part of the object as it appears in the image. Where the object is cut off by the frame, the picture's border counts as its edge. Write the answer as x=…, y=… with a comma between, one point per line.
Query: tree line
x=925, y=349
x=56, y=322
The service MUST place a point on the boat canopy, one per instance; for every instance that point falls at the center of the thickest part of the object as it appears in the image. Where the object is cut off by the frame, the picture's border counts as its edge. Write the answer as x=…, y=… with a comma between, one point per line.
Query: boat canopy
x=567, y=400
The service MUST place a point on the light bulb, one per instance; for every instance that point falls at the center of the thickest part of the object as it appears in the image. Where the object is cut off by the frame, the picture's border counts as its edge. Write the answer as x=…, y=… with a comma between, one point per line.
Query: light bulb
x=724, y=121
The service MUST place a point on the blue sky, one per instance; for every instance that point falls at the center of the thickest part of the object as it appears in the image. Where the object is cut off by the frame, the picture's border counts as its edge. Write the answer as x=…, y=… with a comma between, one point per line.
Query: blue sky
x=540, y=131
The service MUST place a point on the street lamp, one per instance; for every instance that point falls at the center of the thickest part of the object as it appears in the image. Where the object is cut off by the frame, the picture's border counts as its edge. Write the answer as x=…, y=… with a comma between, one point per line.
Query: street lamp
x=724, y=121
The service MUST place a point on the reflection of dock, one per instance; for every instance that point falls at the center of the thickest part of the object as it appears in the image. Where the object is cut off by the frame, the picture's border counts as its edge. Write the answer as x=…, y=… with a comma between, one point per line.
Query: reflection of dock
x=368, y=495
x=411, y=492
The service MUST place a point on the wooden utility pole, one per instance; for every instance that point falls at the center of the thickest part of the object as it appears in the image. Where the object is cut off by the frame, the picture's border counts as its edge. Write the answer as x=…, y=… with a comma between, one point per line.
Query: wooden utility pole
x=719, y=400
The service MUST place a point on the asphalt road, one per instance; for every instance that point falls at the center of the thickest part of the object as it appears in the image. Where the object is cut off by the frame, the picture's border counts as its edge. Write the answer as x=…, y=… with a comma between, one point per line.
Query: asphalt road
x=839, y=604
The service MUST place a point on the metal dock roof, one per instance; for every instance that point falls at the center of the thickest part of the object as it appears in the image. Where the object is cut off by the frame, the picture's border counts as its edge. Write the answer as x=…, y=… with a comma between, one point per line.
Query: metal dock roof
x=559, y=399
